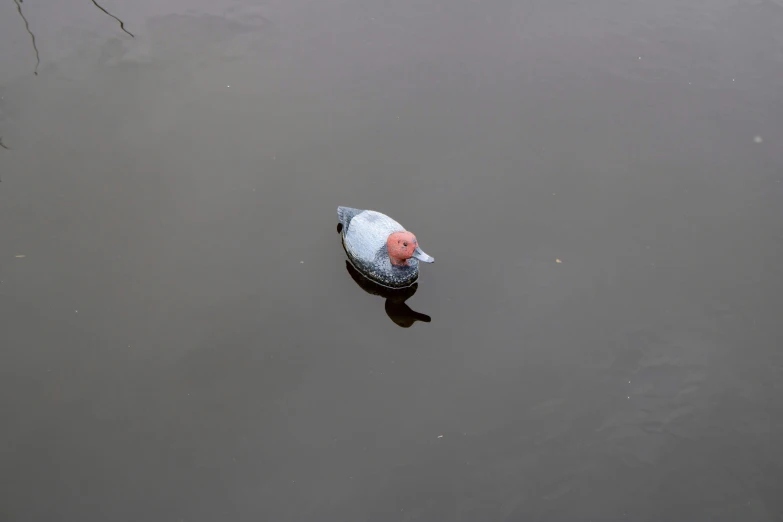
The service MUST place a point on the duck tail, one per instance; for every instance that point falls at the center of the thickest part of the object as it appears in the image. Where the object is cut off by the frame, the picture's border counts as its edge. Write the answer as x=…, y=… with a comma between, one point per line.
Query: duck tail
x=345, y=215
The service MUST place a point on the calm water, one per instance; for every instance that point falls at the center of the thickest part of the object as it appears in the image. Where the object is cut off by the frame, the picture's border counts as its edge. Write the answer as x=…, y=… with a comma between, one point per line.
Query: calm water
x=182, y=340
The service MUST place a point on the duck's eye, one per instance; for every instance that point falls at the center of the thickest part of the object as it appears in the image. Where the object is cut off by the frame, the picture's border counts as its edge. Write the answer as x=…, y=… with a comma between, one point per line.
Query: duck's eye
x=405, y=244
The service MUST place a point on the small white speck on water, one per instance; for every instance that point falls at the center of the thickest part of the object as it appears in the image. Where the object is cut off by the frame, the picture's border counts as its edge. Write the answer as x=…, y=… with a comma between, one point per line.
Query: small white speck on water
x=757, y=139
x=301, y=262
x=228, y=86
x=689, y=83
x=20, y=256
x=440, y=436
x=629, y=382
x=77, y=311
x=733, y=79
x=629, y=396
x=640, y=57
x=558, y=261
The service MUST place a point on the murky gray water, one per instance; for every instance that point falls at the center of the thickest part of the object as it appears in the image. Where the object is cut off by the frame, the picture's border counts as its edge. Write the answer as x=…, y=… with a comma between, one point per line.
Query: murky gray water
x=182, y=340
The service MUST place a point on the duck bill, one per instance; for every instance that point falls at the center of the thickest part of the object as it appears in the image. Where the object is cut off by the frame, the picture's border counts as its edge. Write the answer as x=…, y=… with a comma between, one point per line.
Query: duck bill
x=421, y=256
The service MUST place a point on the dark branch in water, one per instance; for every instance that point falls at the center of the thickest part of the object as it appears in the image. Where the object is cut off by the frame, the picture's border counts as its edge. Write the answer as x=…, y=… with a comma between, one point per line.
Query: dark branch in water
x=6, y=148
x=32, y=36
x=122, y=24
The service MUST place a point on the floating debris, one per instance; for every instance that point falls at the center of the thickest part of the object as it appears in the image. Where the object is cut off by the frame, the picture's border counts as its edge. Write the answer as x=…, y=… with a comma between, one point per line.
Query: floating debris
x=122, y=24
x=558, y=261
x=32, y=36
x=757, y=139
x=20, y=256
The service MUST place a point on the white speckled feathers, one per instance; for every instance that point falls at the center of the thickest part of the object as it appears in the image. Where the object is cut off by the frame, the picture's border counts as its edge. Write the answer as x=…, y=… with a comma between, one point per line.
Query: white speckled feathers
x=364, y=235
x=367, y=234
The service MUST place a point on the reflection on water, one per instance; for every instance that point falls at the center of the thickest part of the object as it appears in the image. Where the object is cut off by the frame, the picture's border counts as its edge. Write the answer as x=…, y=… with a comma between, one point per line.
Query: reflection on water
x=32, y=36
x=122, y=24
x=396, y=309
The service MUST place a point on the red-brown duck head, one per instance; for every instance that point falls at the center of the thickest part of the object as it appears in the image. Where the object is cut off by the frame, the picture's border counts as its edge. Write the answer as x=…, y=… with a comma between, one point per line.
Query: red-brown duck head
x=402, y=246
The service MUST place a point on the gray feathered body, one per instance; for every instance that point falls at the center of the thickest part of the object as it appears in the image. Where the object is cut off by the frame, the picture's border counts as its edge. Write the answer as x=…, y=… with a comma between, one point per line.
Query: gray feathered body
x=364, y=236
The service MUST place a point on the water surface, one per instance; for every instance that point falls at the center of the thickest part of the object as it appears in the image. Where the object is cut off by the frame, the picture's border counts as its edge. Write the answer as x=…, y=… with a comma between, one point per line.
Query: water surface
x=181, y=340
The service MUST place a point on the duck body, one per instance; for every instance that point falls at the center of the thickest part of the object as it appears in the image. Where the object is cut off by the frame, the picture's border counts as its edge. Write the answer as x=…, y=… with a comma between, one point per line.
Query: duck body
x=380, y=248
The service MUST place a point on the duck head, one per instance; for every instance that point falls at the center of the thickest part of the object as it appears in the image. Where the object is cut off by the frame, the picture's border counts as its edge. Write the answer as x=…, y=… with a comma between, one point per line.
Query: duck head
x=402, y=246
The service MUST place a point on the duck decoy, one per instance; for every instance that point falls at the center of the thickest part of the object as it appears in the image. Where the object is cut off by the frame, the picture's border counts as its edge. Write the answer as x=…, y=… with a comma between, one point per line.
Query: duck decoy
x=380, y=248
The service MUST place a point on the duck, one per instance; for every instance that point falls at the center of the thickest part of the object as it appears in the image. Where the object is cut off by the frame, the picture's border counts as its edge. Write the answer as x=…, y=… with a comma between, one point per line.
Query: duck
x=380, y=248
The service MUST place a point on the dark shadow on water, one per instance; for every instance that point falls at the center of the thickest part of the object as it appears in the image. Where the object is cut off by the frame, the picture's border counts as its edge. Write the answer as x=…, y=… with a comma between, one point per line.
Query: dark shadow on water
x=396, y=309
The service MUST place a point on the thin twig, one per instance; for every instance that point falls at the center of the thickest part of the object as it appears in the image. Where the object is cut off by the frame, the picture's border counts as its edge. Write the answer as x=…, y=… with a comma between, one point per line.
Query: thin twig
x=122, y=24
x=32, y=36
x=6, y=148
